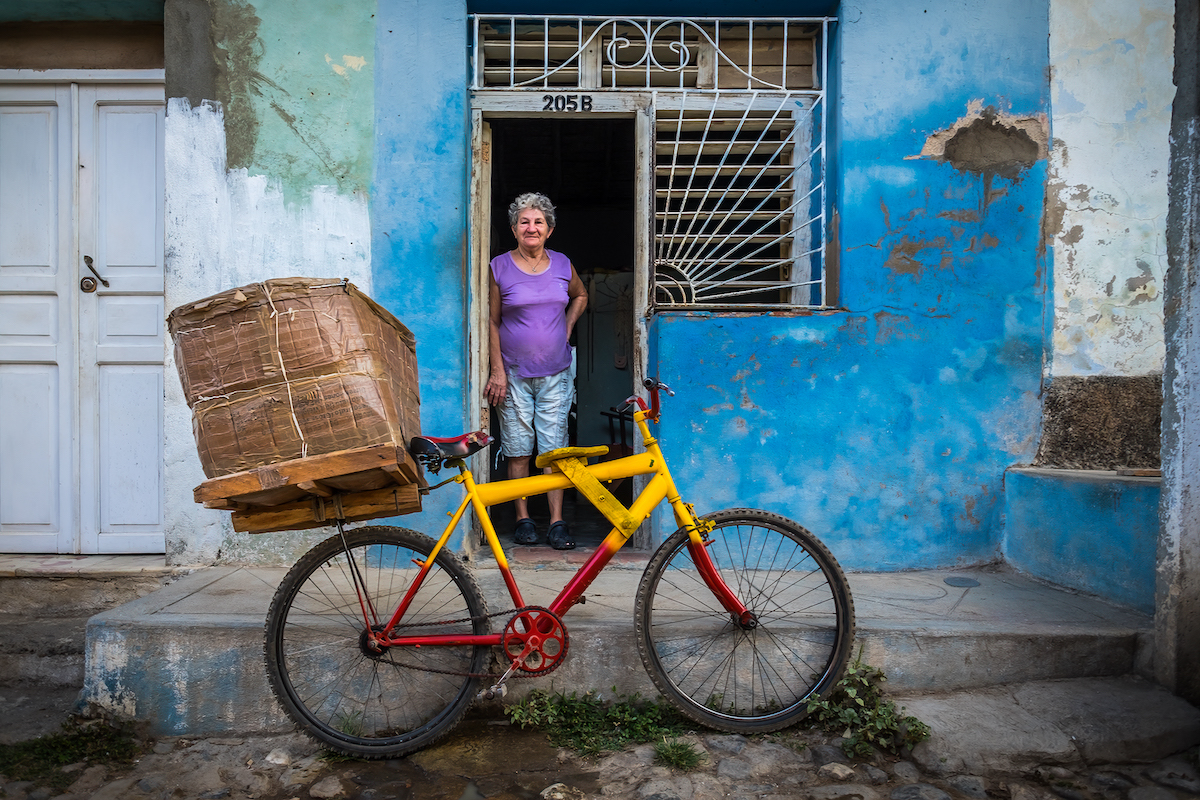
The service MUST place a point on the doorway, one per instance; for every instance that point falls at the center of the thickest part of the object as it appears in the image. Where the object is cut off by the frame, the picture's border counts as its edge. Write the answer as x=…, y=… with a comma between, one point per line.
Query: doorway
x=587, y=168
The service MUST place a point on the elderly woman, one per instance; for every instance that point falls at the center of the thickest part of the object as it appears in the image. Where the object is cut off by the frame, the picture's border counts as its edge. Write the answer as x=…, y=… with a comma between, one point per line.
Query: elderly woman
x=536, y=299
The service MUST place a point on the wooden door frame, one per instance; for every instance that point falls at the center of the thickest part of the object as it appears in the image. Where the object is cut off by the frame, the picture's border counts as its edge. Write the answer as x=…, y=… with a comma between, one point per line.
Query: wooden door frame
x=488, y=105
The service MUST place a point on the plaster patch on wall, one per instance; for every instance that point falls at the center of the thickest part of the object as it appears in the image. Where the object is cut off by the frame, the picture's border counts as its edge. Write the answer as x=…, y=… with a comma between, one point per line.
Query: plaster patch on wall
x=1102, y=423
x=991, y=144
x=237, y=51
x=986, y=140
x=355, y=63
x=1106, y=192
x=226, y=228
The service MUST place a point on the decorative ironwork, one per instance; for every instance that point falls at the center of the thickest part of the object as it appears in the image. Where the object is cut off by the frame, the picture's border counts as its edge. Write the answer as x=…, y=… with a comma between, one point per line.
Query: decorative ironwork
x=739, y=151
x=525, y=52
x=739, y=200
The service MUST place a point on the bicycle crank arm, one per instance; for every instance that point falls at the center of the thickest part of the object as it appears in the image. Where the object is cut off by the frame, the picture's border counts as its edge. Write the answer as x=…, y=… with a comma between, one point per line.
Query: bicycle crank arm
x=499, y=689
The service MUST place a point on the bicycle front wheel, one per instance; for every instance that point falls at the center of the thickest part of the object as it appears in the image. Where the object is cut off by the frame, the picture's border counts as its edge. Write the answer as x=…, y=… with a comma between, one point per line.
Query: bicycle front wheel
x=341, y=692
x=738, y=678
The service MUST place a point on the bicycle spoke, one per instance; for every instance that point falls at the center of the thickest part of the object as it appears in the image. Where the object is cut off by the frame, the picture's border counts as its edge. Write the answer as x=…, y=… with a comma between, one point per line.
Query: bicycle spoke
x=754, y=679
x=365, y=700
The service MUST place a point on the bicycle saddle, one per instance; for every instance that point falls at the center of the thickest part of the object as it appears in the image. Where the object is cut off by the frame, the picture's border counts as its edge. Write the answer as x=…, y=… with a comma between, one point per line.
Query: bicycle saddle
x=435, y=451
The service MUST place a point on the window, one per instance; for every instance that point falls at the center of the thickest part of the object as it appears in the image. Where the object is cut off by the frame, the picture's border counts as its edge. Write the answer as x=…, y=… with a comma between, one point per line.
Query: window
x=739, y=147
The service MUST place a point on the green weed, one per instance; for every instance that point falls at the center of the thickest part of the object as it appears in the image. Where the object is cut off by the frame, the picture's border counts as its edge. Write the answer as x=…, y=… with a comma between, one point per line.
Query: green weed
x=41, y=760
x=677, y=754
x=589, y=726
x=857, y=710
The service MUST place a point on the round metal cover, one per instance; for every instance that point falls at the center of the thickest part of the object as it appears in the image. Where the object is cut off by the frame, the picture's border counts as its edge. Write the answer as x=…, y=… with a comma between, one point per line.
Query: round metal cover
x=961, y=582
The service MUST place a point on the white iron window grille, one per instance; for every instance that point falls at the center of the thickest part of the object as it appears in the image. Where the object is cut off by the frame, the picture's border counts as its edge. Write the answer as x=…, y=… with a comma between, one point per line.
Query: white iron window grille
x=740, y=139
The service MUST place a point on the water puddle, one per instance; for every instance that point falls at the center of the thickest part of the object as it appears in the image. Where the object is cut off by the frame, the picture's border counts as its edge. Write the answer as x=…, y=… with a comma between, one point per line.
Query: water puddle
x=482, y=759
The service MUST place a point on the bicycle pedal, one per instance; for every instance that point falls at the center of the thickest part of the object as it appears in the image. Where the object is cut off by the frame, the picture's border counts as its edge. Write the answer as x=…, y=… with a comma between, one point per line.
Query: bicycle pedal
x=497, y=692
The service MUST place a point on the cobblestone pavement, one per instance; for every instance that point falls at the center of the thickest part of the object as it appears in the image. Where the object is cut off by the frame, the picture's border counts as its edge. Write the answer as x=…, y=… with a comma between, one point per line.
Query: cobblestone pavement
x=488, y=758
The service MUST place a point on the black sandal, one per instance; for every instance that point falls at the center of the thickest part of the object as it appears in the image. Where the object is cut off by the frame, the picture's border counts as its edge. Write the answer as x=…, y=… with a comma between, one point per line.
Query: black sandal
x=525, y=532
x=560, y=537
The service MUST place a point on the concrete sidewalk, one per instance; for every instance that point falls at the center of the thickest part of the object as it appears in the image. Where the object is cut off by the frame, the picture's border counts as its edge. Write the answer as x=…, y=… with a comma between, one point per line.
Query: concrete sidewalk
x=1006, y=670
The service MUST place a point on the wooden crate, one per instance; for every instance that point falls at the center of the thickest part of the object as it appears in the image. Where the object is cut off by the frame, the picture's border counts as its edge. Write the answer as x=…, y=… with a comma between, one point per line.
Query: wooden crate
x=358, y=484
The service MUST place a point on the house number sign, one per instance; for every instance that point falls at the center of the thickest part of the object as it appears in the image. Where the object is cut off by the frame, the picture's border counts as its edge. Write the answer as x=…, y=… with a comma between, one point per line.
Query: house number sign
x=566, y=102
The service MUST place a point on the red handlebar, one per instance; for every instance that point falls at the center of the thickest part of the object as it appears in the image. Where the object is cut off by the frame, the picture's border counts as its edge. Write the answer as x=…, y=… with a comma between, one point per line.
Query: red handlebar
x=653, y=384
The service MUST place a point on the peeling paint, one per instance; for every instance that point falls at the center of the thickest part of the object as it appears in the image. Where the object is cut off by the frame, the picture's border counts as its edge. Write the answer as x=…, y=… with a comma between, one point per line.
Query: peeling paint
x=1106, y=199
x=224, y=228
x=904, y=257
x=988, y=140
x=293, y=111
x=355, y=63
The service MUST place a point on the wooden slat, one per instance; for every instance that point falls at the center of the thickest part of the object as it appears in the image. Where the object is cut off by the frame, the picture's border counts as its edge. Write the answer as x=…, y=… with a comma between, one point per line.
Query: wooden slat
x=753, y=171
x=318, y=511
x=722, y=216
x=316, y=487
x=667, y=126
x=696, y=192
x=399, y=474
x=718, y=147
x=226, y=505
x=312, y=468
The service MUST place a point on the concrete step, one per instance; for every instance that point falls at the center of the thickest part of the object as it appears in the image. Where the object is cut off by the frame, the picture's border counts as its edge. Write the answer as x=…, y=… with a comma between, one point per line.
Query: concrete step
x=66, y=585
x=1022, y=726
x=187, y=659
x=47, y=600
x=47, y=651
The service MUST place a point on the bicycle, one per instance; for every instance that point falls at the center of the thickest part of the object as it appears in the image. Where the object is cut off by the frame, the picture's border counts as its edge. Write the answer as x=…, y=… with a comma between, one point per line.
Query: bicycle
x=377, y=639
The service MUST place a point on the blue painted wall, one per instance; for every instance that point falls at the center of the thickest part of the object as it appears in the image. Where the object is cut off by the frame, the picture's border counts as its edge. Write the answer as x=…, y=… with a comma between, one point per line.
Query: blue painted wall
x=419, y=204
x=885, y=428
x=1053, y=530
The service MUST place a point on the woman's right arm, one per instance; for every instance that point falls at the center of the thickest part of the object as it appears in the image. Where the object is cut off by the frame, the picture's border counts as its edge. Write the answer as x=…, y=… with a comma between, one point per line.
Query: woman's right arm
x=497, y=385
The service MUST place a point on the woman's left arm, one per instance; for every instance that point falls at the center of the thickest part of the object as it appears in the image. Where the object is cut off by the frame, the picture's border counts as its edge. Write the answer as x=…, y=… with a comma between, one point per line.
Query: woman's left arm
x=577, y=294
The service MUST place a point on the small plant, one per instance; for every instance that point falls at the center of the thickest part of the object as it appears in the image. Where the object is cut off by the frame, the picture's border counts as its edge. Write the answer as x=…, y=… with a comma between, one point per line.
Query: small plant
x=857, y=711
x=350, y=724
x=589, y=726
x=41, y=760
x=677, y=754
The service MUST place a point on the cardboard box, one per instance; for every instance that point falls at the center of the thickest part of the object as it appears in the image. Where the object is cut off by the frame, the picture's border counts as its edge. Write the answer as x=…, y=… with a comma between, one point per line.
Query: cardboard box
x=293, y=367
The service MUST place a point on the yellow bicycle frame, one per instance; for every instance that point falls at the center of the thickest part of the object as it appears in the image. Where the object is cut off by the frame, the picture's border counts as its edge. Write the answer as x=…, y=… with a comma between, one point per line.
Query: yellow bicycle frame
x=571, y=470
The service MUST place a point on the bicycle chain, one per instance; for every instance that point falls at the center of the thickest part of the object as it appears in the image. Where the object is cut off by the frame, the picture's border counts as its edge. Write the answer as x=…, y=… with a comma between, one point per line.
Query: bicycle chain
x=510, y=612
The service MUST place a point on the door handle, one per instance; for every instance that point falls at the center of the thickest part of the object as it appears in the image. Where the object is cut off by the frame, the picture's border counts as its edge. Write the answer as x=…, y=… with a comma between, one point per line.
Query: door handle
x=88, y=260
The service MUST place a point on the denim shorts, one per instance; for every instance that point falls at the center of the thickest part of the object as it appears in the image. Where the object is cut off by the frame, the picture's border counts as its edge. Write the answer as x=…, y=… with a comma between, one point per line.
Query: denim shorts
x=536, y=406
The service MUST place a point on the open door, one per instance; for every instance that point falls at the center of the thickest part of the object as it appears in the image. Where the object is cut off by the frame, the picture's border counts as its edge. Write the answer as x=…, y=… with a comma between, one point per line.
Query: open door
x=587, y=168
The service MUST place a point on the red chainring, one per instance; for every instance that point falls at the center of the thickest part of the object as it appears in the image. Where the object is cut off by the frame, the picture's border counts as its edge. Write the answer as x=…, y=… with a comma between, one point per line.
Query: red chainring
x=535, y=640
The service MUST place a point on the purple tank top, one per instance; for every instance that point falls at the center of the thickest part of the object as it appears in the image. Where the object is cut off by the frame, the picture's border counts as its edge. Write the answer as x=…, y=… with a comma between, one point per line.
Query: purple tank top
x=533, y=320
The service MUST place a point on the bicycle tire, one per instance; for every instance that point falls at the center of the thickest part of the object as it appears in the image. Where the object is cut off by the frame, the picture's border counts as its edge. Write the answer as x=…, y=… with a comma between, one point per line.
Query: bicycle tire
x=339, y=693
x=746, y=680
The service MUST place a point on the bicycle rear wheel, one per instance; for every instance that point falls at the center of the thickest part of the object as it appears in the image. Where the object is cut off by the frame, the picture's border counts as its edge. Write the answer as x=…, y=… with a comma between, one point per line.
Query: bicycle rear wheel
x=340, y=692
x=745, y=680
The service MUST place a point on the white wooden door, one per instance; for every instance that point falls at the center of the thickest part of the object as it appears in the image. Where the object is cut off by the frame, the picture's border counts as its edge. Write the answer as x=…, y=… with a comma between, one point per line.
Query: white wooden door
x=81, y=348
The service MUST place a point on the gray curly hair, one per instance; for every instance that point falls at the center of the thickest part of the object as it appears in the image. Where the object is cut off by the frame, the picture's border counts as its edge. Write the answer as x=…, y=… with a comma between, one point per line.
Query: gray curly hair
x=534, y=200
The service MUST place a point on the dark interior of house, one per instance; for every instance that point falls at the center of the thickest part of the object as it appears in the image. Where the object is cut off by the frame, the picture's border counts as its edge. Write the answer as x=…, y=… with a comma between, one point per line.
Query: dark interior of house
x=586, y=168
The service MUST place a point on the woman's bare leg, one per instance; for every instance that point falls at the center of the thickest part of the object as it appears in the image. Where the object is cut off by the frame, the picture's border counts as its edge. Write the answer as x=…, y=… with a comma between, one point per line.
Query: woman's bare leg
x=519, y=468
